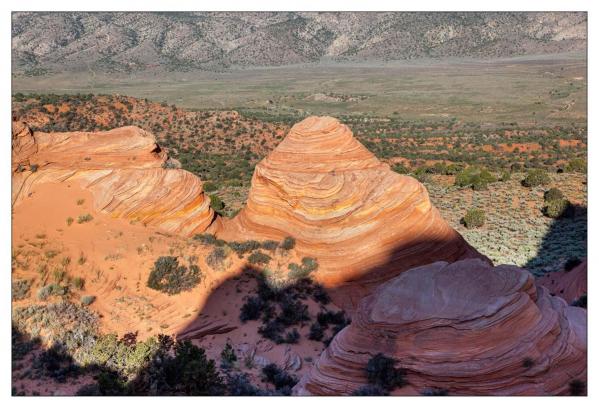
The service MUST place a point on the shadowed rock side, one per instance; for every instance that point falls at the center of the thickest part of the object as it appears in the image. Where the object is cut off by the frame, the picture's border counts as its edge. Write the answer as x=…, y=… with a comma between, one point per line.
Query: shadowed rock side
x=464, y=327
x=123, y=168
x=569, y=285
x=344, y=207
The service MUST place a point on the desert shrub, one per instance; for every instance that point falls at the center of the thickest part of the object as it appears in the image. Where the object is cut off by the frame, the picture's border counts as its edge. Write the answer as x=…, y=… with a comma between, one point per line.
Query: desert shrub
x=576, y=166
x=56, y=363
x=292, y=337
x=239, y=385
x=505, y=176
x=216, y=258
x=227, y=357
x=302, y=271
x=169, y=277
x=400, y=168
x=316, y=332
x=87, y=300
x=242, y=248
x=78, y=282
x=536, y=177
x=84, y=218
x=259, y=258
x=474, y=218
x=288, y=243
x=20, y=289
x=474, y=177
x=217, y=204
x=292, y=312
x=33, y=168
x=557, y=208
x=270, y=245
x=577, y=387
x=272, y=330
x=251, y=309
x=206, y=239
x=178, y=368
x=320, y=295
x=210, y=186
x=572, y=263
x=581, y=301
x=370, y=391
x=52, y=289
x=553, y=194
x=70, y=221
x=328, y=317
x=381, y=371
x=279, y=378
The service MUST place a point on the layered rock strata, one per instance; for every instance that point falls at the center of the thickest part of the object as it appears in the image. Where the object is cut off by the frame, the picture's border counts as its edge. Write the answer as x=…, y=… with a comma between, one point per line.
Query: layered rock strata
x=362, y=221
x=570, y=285
x=465, y=327
x=125, y=170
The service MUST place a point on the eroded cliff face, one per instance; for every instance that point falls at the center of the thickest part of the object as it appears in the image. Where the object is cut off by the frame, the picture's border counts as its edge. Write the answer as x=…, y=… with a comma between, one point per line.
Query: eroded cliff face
x=124, y=169
x=363, y=222
x=465, y=327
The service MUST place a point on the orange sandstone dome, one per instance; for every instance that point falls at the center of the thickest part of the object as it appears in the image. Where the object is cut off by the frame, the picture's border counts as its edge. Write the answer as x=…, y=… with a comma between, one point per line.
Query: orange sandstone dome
x=344, y=207
x=464, y=327
x=124, y=170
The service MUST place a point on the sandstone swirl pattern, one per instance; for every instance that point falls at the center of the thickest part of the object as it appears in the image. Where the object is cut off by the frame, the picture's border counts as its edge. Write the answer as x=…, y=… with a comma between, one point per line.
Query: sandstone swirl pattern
x=344, y=207
x=465, y=327
x=123, y=168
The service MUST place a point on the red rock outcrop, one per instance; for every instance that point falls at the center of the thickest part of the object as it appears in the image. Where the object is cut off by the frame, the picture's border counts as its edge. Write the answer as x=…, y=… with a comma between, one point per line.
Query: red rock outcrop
x=465, y=327
x=569, y=285
x=362, y=221
x=124, y=168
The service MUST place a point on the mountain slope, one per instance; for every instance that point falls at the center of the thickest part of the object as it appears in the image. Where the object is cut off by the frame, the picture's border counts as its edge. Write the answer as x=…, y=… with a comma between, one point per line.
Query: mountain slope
x=108, y=42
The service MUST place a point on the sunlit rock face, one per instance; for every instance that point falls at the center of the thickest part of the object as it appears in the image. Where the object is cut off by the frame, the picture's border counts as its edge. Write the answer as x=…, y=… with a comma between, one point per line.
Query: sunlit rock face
x=124, y=169
x=570, y=285
x=466, y=327
x=363, y=222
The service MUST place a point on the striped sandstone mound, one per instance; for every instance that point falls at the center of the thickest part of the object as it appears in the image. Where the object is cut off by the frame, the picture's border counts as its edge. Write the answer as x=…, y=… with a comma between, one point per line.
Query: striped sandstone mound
x=362, y=221
x=465, y=327
x=124, y=169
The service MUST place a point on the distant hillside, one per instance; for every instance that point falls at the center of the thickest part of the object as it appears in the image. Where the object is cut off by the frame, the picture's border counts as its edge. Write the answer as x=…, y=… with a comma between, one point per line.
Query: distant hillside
x=109, y=42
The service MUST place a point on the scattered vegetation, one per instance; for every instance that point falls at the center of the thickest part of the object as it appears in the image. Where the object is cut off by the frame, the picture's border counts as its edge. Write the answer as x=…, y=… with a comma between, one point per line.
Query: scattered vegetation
x=381, y=372
x=536, y=177
x=84, y=218
x=169, y=277
x=474, y=218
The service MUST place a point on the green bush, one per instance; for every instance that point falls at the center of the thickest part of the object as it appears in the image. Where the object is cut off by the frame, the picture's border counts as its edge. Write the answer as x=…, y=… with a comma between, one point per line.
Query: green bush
x=52, y=289
x=228, y=356
x=557, y=208
x=576, y=166
x=475, y=177
x=279, y=378
x=536, y=177
x=20, y=289
x=288, y=243
x=169, y=277
x=474, y=218
x=400, y=168
x=381, y=372
x=553, y=194
x=210, y=186
x=87, y=300
x=259, y=258
x=302, y=271
x=217, y=204
x=216, y=258
x=84, y=218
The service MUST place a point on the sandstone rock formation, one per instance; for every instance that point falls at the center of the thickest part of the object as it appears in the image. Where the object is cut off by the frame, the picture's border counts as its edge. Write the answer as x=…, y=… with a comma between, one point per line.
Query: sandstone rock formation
x=464, y=327
x=569, y=285
x=124, y=169
x=362, y=221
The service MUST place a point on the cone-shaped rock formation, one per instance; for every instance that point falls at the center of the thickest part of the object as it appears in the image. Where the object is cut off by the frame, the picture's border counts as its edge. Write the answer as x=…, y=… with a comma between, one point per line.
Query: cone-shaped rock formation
x=344, y=207
x=465, y=327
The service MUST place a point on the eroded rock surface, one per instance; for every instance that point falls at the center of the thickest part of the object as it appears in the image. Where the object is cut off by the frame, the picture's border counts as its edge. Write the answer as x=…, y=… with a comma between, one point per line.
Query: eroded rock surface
x=124, y=168
x=362, y=221
x=570, y=285
x=467, y=327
